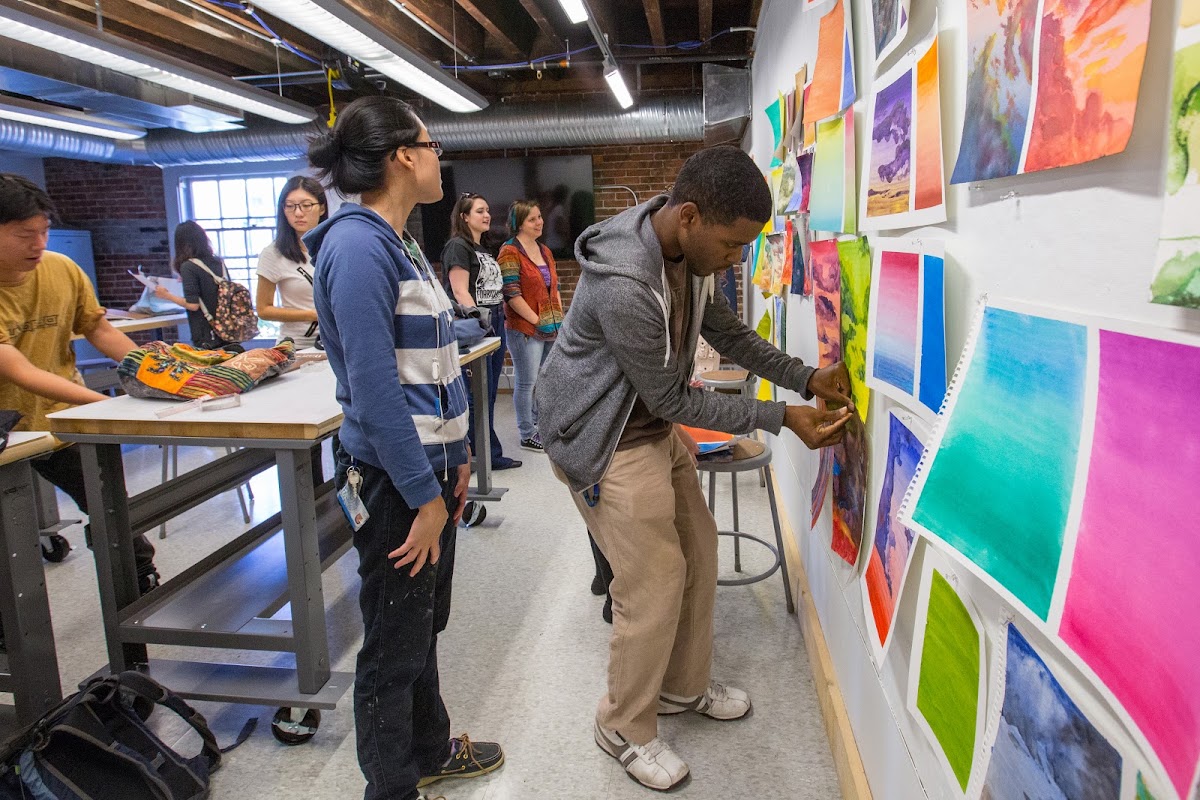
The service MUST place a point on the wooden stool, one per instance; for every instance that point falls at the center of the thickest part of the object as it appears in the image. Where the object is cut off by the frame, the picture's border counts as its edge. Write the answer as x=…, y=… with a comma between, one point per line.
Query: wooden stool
x=749, y=455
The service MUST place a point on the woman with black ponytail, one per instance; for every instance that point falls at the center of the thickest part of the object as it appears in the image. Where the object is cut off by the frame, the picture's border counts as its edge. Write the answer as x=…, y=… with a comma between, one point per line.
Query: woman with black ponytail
x=402, y=464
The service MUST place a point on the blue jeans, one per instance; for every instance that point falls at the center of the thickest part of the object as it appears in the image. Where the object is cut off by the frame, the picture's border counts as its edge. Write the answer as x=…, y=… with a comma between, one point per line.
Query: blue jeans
x=528, y=354
x=402, y=727
x=495, y=363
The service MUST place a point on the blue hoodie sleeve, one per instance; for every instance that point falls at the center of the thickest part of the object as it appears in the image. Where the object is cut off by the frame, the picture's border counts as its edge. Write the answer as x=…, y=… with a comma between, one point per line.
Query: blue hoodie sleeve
x=363, y=292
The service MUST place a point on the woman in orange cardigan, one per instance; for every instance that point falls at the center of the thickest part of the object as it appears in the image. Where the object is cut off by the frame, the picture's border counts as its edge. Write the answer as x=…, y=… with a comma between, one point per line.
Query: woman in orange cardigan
x=533, y=310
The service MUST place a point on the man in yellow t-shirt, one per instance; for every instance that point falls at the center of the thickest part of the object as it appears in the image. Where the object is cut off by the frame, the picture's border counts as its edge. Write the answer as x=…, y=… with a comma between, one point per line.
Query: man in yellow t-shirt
x=45, y=298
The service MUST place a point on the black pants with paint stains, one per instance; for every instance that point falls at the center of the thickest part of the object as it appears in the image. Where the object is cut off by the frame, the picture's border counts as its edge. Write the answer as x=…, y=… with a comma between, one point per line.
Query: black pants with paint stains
x=403, y=729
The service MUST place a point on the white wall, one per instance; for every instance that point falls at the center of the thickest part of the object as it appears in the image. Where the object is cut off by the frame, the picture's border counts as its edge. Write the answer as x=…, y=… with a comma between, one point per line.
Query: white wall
x=1080, y=237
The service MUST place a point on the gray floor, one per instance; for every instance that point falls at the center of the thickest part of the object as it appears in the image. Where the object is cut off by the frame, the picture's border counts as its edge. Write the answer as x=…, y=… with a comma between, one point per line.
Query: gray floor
x=522, y=662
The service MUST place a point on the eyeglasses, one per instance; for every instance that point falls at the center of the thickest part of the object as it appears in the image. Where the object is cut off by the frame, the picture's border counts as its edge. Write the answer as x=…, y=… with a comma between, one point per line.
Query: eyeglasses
x=306, y=206
x=436, y=147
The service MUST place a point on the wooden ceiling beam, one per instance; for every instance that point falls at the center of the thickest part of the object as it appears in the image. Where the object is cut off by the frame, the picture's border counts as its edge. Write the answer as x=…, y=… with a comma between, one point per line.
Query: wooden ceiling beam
x=552, y=39
x=387, y=18
x=654, y=20
x=465, y=32
x=706, y=20
x=506, y=22
x=180, y=33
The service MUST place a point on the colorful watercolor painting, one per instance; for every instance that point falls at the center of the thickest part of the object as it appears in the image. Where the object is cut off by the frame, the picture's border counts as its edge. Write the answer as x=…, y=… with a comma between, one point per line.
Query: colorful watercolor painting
x=927, y=133
x=850, y=462
x=889, y=176
x=827, y=299
x=775, y=118
x=906, y=335
x=1142, y=792
x=1000, y=44
x=1177, y=263
x=831, y=202
x=1089, y=66
x=1134, y=573
x=1045, y=746
x=903, y=179
x=833, y=89
x=801, y=280
x=989, y=477
x=889, y=26
x=891, y=551
x=827, y=303
x=776, y=260
x=947, y=685
x=855, y=255
x=804, y=166
x=1089, y=58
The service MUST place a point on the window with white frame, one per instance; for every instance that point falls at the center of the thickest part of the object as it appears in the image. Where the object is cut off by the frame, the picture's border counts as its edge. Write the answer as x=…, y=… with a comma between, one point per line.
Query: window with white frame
x=239, y=215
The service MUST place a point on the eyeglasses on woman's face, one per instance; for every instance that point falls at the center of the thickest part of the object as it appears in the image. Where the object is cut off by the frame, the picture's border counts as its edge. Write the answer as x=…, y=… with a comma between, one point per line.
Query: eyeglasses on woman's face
x=436, y=147
x=304, y=208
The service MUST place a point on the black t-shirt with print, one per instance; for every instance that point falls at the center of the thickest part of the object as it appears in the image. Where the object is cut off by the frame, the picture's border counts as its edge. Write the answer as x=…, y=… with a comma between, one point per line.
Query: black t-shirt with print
x=485, y=282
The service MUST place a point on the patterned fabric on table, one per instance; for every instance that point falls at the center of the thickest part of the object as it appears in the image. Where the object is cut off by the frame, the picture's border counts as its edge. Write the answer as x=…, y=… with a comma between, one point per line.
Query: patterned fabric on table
x=180, y=371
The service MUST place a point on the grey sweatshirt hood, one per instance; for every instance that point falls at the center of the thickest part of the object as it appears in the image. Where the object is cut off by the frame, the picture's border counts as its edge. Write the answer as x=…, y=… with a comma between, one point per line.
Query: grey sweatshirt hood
x=615, y=347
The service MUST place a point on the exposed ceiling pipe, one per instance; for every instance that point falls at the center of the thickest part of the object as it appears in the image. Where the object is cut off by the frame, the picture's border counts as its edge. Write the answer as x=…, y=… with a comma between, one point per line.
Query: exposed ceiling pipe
x=500, y=126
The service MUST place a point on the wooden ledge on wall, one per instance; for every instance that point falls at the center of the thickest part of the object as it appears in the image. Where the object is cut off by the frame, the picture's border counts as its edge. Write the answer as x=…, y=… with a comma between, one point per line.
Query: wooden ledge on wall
x=852, y=778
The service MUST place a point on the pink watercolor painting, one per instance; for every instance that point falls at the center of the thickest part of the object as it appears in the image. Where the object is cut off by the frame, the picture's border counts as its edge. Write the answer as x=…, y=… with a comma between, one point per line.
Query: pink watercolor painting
x=897, y=316
x=1132, y=609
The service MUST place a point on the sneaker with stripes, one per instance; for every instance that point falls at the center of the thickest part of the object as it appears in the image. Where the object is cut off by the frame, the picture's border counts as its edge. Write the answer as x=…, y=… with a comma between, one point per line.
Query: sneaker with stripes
x=718, y=702
x=653, y=765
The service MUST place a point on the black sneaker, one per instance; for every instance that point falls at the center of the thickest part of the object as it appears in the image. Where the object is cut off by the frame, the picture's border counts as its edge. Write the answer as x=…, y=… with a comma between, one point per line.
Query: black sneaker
x=467, y=760
x=534, y=443
x=504, y=462
x=148, y=583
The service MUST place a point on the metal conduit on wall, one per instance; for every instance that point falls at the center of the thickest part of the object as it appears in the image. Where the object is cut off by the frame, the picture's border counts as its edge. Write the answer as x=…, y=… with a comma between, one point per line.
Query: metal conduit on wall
x=508, y=125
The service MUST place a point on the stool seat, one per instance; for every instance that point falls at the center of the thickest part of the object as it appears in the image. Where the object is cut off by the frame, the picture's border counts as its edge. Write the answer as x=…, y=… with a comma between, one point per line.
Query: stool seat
x=726, y=379
x=748, y=455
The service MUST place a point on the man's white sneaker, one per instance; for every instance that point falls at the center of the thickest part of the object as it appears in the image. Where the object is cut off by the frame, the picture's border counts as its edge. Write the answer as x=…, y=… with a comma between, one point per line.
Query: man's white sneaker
x=718, y=701
x=653, y=765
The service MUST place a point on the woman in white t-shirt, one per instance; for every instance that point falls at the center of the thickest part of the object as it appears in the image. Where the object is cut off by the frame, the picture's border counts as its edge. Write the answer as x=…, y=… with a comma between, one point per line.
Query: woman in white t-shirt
x=284, y=266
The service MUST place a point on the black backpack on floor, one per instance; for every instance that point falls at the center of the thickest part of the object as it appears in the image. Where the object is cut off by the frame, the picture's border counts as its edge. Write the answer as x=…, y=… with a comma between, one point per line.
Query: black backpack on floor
x=95, y=745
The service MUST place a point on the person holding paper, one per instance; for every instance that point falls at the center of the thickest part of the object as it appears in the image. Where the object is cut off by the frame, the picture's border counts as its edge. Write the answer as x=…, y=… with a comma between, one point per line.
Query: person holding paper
x=45, y=299
x=610, y=392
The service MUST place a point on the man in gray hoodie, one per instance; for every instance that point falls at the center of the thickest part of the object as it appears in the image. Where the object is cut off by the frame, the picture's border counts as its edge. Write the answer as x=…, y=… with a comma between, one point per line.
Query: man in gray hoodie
x=609, y=396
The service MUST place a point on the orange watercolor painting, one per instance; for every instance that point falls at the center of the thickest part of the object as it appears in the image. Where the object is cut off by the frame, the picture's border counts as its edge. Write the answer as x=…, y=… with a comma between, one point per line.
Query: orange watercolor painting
x=824, y=97
x=930, y=178
x=1090, y=66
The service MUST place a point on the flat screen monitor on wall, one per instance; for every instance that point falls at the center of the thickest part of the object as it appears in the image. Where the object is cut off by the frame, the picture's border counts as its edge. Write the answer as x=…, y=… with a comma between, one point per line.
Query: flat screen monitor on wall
x=562, y=185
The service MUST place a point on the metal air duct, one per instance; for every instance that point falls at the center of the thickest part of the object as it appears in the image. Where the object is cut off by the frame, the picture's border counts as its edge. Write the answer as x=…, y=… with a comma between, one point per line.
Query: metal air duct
x=500, y=126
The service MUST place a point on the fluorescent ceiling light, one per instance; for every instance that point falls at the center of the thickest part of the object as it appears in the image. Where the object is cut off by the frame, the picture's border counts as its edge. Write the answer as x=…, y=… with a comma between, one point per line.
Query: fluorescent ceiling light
x=576, y=10
x=354, y=35
x=65, y=119
x=80, y=42
x=617, y=84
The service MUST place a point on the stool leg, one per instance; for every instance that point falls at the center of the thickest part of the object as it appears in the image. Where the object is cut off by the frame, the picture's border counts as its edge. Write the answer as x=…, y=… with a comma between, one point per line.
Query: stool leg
x=162, y=529
x=712, y=493
x=241, y=497
x=737, y=540
x=787, y=583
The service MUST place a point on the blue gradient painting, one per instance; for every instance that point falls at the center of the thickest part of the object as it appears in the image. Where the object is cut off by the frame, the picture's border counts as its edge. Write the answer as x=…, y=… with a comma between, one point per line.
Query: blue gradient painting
x=933, y=333
x=1045, y=747
x=999, y=486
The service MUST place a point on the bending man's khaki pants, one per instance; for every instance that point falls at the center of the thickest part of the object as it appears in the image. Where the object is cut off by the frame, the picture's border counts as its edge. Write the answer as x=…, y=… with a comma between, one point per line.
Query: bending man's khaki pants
x=655, y=529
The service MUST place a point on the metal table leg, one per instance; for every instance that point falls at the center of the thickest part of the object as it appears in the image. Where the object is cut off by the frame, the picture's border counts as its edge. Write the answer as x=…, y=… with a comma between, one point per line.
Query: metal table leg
x=483, y=426
x=112, y=541
x=24, y=607
x=297, y=501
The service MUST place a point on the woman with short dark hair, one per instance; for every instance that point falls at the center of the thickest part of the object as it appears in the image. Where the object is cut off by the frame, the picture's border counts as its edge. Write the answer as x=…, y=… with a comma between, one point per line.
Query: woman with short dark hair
x=402, y=464
x=284, y=266
x=473, y=279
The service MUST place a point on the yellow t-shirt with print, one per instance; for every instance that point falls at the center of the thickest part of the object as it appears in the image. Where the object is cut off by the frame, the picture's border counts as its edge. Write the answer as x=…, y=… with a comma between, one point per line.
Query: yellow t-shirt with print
x=38, y=317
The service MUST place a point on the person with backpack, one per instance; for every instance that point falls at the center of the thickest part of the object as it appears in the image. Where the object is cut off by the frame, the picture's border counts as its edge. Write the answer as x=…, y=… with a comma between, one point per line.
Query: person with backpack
x=219, y=316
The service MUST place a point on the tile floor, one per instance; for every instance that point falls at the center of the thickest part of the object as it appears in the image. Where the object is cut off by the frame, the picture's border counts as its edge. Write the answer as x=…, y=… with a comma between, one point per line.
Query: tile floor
x=523, y=659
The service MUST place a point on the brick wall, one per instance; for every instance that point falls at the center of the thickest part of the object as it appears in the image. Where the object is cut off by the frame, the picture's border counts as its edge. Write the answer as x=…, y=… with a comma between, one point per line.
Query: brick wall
x=125, y=210
x=647, y=169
